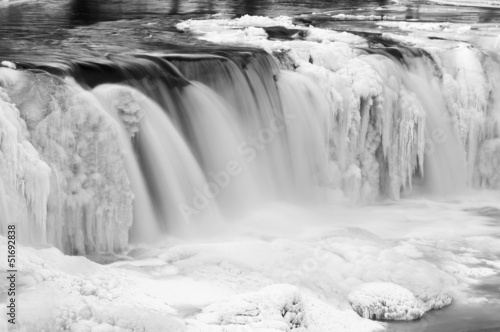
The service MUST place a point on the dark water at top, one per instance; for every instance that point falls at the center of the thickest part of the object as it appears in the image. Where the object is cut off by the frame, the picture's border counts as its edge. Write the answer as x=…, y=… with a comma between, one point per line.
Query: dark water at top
x=49, y=29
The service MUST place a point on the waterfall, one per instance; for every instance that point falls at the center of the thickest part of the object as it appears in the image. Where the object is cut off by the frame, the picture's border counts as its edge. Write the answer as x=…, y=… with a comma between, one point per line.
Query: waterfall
x=99, y=153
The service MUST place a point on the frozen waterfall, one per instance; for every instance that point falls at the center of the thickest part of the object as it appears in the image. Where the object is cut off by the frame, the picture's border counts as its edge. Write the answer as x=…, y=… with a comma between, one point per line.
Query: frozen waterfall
x=94, y=154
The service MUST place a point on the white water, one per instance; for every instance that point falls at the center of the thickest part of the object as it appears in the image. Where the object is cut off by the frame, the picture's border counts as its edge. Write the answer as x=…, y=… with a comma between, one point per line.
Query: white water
x=306, y=133
x=148, y=228
x=445, y=170
x=167, y=162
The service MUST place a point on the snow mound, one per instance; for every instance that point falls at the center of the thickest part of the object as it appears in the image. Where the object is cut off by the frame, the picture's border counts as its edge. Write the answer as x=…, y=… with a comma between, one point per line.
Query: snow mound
x=8, y=64
x=386, y=301
x=274, y=308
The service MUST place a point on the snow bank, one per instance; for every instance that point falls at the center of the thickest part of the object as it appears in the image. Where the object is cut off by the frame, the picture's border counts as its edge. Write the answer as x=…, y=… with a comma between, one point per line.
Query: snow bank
x=59, y=292
x=330, y=266
x=277, y=308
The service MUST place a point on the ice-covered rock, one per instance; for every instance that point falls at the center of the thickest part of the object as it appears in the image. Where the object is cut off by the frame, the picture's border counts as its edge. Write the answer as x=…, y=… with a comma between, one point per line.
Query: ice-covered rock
x=278, y=307
x=386, y=301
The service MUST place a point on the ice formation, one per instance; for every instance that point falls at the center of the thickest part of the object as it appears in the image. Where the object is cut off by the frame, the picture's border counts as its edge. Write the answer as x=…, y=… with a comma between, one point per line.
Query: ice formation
x=386, y=301
x=24, y=177
x=84, y=190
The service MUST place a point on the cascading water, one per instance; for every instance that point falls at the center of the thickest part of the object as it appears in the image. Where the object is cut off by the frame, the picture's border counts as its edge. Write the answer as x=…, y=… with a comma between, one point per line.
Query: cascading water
x=177, y=143
x=445, y=165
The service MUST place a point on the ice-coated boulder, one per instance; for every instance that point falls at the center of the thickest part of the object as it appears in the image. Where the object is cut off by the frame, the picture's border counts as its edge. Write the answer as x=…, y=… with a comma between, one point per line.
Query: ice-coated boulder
x=386, y=301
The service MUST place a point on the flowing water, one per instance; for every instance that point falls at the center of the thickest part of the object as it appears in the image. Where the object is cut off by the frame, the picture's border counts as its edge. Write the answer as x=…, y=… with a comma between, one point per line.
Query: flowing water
x=117, y=129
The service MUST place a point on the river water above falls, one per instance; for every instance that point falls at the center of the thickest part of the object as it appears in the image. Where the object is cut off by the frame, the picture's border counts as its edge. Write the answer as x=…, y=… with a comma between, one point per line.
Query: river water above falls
x=252, y=165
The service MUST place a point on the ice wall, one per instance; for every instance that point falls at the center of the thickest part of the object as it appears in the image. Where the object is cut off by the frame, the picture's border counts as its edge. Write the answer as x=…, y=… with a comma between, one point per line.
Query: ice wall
x=24, y=177
x=79, y=195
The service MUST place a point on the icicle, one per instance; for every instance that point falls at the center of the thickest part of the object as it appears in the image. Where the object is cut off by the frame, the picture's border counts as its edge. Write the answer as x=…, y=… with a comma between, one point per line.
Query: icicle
x=24, y=176
x=466, y=91
x=86, y=197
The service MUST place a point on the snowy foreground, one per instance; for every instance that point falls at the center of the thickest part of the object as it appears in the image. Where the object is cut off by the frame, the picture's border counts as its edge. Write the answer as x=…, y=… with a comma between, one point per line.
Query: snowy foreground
x=250, y=279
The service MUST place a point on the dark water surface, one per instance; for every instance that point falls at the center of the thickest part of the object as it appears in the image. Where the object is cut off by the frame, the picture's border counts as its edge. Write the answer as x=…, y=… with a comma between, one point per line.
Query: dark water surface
x=455, y=318
x=47, y=29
